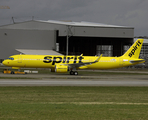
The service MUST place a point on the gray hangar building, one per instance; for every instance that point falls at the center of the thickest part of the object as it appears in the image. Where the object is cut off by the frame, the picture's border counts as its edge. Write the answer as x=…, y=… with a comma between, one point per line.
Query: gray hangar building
x=65, y=37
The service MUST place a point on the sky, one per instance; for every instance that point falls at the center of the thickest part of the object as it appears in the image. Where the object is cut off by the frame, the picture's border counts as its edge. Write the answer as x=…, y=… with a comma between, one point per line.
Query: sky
x=132, y=13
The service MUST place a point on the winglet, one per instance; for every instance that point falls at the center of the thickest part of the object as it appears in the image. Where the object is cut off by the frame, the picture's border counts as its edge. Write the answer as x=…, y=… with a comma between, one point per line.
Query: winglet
x=97, y=60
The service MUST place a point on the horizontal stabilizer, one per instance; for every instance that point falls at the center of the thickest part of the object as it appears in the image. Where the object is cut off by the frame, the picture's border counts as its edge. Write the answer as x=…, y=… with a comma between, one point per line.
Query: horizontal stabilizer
x=134, y=61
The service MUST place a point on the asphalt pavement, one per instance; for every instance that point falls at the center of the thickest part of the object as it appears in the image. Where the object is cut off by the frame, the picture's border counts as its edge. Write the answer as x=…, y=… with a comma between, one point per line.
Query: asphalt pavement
x=71, y=80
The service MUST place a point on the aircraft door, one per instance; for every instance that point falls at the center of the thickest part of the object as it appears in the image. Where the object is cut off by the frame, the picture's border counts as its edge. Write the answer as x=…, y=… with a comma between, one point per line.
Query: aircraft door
x=19, y=59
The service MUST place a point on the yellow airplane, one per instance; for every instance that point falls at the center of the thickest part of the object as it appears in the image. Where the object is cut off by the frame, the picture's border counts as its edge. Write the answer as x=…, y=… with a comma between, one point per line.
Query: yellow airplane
x=61, y=64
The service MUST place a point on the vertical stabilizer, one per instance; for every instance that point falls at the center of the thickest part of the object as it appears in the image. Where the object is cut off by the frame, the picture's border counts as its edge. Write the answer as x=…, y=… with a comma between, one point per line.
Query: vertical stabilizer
x=134, y=50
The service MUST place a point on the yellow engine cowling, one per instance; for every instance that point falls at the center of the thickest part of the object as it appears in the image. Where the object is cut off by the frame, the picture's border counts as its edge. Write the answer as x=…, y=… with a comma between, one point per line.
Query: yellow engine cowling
x=61, y=68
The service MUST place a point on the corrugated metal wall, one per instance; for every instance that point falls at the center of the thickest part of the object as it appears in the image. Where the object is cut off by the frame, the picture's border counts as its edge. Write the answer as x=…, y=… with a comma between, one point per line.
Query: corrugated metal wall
x=11, y=39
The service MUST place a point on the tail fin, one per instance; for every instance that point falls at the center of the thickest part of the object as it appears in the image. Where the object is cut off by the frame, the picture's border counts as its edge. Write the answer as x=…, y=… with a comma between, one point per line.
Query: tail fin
x=134, y=50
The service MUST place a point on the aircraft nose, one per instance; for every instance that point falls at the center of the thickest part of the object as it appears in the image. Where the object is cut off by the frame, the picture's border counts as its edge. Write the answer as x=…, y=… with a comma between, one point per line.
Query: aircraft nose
x=4, y=62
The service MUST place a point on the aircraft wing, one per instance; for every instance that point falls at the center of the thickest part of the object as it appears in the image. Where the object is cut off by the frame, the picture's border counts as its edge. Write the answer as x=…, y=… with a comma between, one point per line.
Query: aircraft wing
x=134, y=61
x=76, y=65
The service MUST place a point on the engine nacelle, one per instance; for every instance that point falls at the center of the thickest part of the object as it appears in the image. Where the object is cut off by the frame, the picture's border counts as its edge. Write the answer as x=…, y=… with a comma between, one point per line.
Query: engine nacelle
x=61, y=68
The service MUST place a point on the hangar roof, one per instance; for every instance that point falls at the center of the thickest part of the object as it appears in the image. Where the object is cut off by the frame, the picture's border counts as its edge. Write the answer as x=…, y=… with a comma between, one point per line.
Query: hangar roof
x=82, y=23
x=145, y=40
x=83, y=29
x=71, y=23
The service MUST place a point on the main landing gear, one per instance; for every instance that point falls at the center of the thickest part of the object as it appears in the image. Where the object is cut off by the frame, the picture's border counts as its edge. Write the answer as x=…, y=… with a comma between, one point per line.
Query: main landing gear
x=73, y=73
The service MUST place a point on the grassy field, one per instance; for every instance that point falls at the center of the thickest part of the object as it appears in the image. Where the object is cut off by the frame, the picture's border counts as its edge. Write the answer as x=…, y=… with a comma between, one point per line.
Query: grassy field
x=73, y=103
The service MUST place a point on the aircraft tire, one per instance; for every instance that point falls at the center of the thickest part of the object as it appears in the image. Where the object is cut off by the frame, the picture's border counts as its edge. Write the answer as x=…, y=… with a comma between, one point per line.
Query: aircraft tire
x=12, y=72
x=71, y=72
x=75, y=73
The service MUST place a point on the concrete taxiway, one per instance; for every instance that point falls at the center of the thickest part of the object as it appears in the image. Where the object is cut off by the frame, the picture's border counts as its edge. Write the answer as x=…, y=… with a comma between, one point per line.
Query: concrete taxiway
x=70, y=80
x=71, y=83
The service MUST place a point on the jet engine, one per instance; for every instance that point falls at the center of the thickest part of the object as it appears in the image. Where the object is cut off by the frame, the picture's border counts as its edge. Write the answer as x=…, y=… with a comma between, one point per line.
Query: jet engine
x=61, y=68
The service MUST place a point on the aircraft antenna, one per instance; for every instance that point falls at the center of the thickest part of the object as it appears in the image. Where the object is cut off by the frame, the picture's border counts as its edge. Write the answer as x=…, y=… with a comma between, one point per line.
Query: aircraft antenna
x=13, y=20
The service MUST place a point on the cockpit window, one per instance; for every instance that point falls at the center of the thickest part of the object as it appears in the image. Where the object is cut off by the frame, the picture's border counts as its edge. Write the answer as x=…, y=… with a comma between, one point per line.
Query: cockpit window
x=11, y=58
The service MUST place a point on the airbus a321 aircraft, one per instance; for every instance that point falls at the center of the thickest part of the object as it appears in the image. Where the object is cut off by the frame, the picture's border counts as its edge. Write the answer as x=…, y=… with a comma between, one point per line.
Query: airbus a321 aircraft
x=61, y=64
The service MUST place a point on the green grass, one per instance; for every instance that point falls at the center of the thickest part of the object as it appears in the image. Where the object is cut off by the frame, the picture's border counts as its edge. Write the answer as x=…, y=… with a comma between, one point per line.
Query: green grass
x=74, y=103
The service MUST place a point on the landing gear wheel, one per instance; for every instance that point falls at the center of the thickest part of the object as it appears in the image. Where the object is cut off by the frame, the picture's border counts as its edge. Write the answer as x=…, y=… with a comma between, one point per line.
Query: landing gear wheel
x=75, y=73
x=12, y=72
x=71, y=72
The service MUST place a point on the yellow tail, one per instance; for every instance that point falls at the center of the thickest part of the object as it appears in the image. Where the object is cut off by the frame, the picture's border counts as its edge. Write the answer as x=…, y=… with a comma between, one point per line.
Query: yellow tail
x=134, y=50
